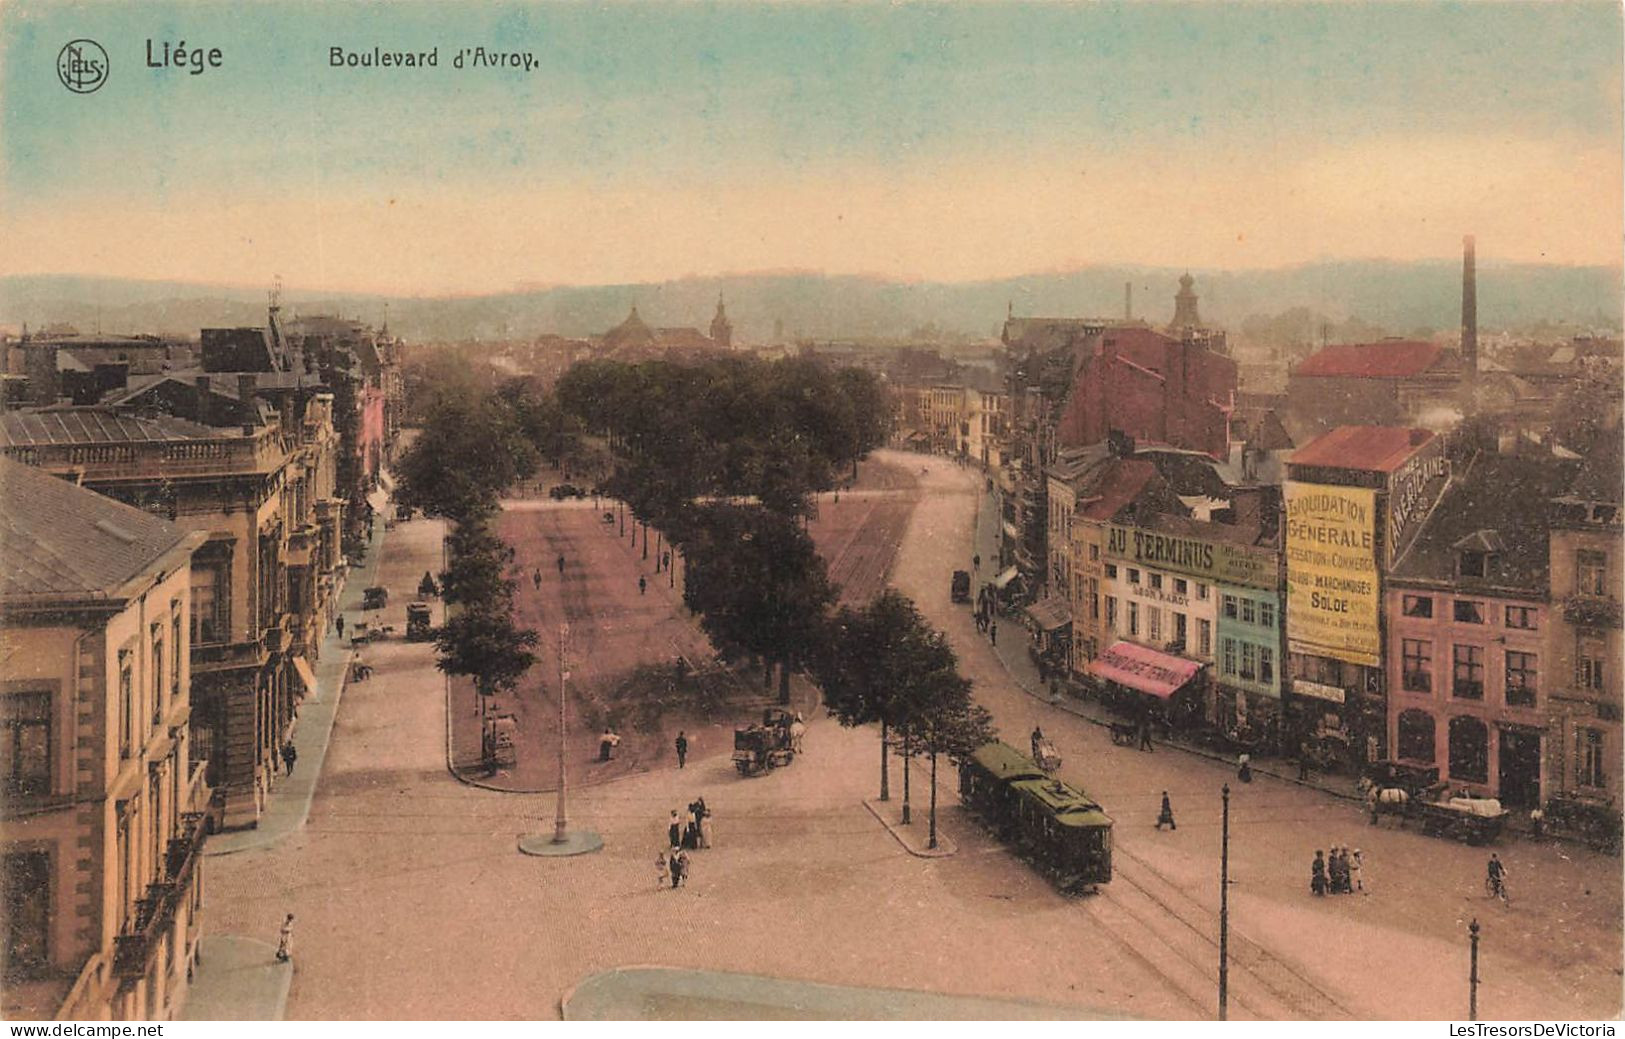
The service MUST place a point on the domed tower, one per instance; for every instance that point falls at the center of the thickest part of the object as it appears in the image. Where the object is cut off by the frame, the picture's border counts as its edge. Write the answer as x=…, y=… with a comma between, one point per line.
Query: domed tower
x=722, y=330
x=1185, y=315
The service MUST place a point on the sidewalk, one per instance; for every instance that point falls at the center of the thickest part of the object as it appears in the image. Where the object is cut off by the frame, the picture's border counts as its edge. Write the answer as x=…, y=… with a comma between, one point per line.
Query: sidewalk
x=1023, y=671
x=237, y=979
x=288, y=803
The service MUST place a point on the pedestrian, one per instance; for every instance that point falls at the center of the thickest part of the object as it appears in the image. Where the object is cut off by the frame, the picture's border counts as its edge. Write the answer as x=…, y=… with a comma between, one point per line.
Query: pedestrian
x=290, y=754
x=1537, y=823
x=665, y=560
x=338, y=623
x=702, y=820
x=682, y=747
x=976, y=562
x=675, y=833
x=1166, y=816
x=662, y=871
x=536, y=578
x=1357, y=872
x=1145, y=736
x=606, y=743
x=1245, y=773
x=682, y=873
x=679, y=863
x=561, y=562
x=1317, y=875
x=643, y=585
x=1303, y=766
x=284, y=942
x=798, y=732
x=1496, y=878
x=427, y=587
x=1037, y=738
x=1337, y=866
x=993, y=632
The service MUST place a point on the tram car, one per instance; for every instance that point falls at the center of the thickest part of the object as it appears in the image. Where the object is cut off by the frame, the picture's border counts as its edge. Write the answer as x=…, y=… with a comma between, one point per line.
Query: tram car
x=1056, y=827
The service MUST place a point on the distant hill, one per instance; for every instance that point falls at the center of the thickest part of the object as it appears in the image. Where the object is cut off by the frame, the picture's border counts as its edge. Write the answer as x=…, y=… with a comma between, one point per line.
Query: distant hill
x=1399, y=297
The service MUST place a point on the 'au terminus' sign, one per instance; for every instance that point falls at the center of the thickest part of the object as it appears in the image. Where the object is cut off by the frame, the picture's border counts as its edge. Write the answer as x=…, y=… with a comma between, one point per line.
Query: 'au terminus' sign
x=1215, y=561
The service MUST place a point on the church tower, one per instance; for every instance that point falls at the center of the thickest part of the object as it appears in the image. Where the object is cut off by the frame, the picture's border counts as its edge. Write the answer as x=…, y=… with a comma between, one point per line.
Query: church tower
x=1185, y=315
x=722, y=330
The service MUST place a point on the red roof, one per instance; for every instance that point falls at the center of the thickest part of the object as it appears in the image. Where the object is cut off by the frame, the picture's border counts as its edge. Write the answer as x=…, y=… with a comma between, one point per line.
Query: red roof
x=1389, y=359
x=1121, y=484
x=1372, y=449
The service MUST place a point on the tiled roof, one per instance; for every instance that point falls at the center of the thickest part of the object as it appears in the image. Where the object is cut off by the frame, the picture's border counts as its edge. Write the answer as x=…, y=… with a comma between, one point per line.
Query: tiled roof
x=93, y=425
x=1119, y=484
x=1389, y=359
x=61, y=540
x=1377, y=449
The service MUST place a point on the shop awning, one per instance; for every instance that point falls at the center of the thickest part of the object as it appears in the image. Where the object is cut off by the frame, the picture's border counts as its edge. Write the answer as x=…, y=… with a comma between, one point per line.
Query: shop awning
x=1006, y=577
x=306, y=675
x=1050, y=613
x=1143, y=668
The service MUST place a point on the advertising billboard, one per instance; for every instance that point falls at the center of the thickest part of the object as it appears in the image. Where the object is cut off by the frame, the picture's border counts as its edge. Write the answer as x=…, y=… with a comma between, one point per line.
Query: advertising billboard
x=1216, y=561
x=1331, y=572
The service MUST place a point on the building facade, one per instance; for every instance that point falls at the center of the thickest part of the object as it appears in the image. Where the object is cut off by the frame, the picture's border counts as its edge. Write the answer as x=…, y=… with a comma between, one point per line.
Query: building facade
x=103, y=813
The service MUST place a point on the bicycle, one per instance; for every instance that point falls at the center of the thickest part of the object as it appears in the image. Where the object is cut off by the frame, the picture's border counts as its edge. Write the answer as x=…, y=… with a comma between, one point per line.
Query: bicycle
x=1496, y=887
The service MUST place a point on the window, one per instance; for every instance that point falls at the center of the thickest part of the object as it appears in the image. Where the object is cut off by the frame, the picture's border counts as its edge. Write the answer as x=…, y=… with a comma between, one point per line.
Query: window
x=1094, y=553
x=1266, y=615
x=1204, y=637
x=1153, y=623
x=1156, y=581
x=1180, y=632
x=1249, y=661
x=1588, y=663
x=175, y=640
x=1229, y=656
x=1416, y=736
x=1201, y=591
x=1133, y=618
x=1417, y=605
x=1522, y=617
x=1111, y=612
x=1181, y=586
x=1417, y=676
x=1469, y=673
x=1469, y=750
x=1588, y=758
x=1227, y=605
x=1590, y=573
x=126, y=703
x=1469, y=612
x=1249, y=612
x=1520, y=679
x=1470, y=564
x=157, y=674
x=1111, y=571
x=27, y=916
x=1133, y=576
x=27, y=749
x=1266, y=665
x=211, y=596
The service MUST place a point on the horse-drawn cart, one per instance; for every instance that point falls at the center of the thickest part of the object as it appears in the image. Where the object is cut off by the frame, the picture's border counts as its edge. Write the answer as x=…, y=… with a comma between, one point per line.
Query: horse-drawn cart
x=1476, y=820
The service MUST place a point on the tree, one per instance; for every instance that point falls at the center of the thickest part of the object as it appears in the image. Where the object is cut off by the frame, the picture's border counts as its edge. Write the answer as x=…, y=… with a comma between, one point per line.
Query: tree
x=953, y=725
x=485, y=645
x=470, y=449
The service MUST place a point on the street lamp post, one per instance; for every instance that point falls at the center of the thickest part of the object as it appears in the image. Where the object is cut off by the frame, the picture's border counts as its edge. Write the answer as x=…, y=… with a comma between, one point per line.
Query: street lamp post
x=1224, y=910
x=562, y=842
x=564, y=676
x=1472, y=973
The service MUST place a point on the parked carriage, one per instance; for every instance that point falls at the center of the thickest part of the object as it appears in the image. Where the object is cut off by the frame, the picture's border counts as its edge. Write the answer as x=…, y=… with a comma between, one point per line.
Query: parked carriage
x=1058, y=828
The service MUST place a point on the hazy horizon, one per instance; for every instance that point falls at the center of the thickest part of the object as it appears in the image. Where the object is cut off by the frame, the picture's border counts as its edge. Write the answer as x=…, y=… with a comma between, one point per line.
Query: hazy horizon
x=949, y=144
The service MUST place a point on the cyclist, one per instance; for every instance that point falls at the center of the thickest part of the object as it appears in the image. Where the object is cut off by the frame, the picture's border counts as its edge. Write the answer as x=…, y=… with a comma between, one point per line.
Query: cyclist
x=1496, y=880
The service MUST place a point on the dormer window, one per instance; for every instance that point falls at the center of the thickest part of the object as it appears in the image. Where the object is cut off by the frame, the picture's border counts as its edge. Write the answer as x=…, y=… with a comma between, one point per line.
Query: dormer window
x=1471, y=564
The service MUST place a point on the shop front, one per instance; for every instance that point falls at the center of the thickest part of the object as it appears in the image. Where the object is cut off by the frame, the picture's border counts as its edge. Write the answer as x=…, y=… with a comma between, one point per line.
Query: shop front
x=1148, y=684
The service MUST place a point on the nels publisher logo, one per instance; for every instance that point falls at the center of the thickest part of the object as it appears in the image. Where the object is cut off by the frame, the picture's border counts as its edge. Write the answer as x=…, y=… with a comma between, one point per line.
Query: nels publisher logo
x=82, y=66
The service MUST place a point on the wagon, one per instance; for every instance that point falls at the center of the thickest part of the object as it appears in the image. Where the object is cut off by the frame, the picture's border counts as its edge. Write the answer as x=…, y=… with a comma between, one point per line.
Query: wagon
x=1461, y=821
x=375, y=598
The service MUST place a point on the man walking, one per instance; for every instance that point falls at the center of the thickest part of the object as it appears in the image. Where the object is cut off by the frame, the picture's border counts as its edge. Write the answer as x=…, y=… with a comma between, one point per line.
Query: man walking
x=682, y=747
x=993, y=632
x=338, y=623
x=561, y=562
x=675, y=833
x=536, y=578
x=284, y=944
x=1145, y=736
x=290, y=754
x=643, y=585
x=1166, y=816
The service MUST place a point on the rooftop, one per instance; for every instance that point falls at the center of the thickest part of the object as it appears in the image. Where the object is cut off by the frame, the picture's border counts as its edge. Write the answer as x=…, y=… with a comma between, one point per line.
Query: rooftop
x=94, y=425
x=1378, y=449
x=60, y=540
x=1389, y=359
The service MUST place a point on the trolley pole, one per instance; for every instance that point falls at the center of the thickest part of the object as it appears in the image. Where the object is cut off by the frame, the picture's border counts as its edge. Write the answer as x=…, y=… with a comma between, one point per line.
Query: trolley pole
x=564, y=676
x=1224, y=910
x=1472, y=974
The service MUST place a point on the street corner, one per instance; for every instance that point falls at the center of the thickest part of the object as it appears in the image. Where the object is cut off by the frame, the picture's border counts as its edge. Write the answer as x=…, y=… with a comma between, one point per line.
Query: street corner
x=914, y=836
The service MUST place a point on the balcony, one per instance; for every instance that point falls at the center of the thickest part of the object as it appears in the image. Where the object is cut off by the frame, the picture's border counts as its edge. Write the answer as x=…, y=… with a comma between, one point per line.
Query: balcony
x=1592, y=611
x=156, y=913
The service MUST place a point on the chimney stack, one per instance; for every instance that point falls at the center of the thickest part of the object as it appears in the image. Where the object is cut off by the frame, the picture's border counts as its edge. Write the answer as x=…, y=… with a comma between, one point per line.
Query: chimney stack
x=1128, y=301
x=1469, y=311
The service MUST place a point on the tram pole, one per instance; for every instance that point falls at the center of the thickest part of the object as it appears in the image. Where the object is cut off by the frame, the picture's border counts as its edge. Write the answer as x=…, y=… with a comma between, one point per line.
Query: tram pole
x=1224, y=910
x=559, y=836
x=1472, y=974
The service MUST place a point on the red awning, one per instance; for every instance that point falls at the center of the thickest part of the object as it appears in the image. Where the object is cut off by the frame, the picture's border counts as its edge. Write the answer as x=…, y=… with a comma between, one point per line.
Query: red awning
x=1145, y=669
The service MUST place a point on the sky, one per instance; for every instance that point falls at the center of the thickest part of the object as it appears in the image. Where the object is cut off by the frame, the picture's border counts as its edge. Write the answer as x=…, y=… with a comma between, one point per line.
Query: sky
x=949, y=142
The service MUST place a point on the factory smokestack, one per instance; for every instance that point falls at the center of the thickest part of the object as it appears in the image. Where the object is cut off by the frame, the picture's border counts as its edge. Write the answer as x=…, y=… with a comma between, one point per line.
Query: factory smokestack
x=1469, y=311
x=1128, y=301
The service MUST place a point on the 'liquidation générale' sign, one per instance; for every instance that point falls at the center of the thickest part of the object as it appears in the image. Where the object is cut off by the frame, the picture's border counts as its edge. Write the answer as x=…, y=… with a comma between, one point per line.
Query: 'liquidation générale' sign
x=1331, y=572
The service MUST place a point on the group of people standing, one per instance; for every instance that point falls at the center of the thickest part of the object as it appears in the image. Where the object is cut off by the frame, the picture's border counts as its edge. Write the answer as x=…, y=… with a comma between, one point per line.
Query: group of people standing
x=687, y=832
x=1340, y=873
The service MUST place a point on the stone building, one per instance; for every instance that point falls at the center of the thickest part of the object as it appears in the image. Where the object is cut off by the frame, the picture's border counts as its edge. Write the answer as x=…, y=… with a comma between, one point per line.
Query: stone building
x=103, y=806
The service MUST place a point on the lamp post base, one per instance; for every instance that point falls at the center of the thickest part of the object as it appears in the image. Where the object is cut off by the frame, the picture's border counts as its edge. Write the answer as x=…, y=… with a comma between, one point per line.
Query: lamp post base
x=576, y=842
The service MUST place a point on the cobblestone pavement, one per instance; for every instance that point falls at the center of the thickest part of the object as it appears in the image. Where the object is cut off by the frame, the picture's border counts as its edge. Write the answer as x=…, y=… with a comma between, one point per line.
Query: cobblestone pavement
x=1399, y=952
